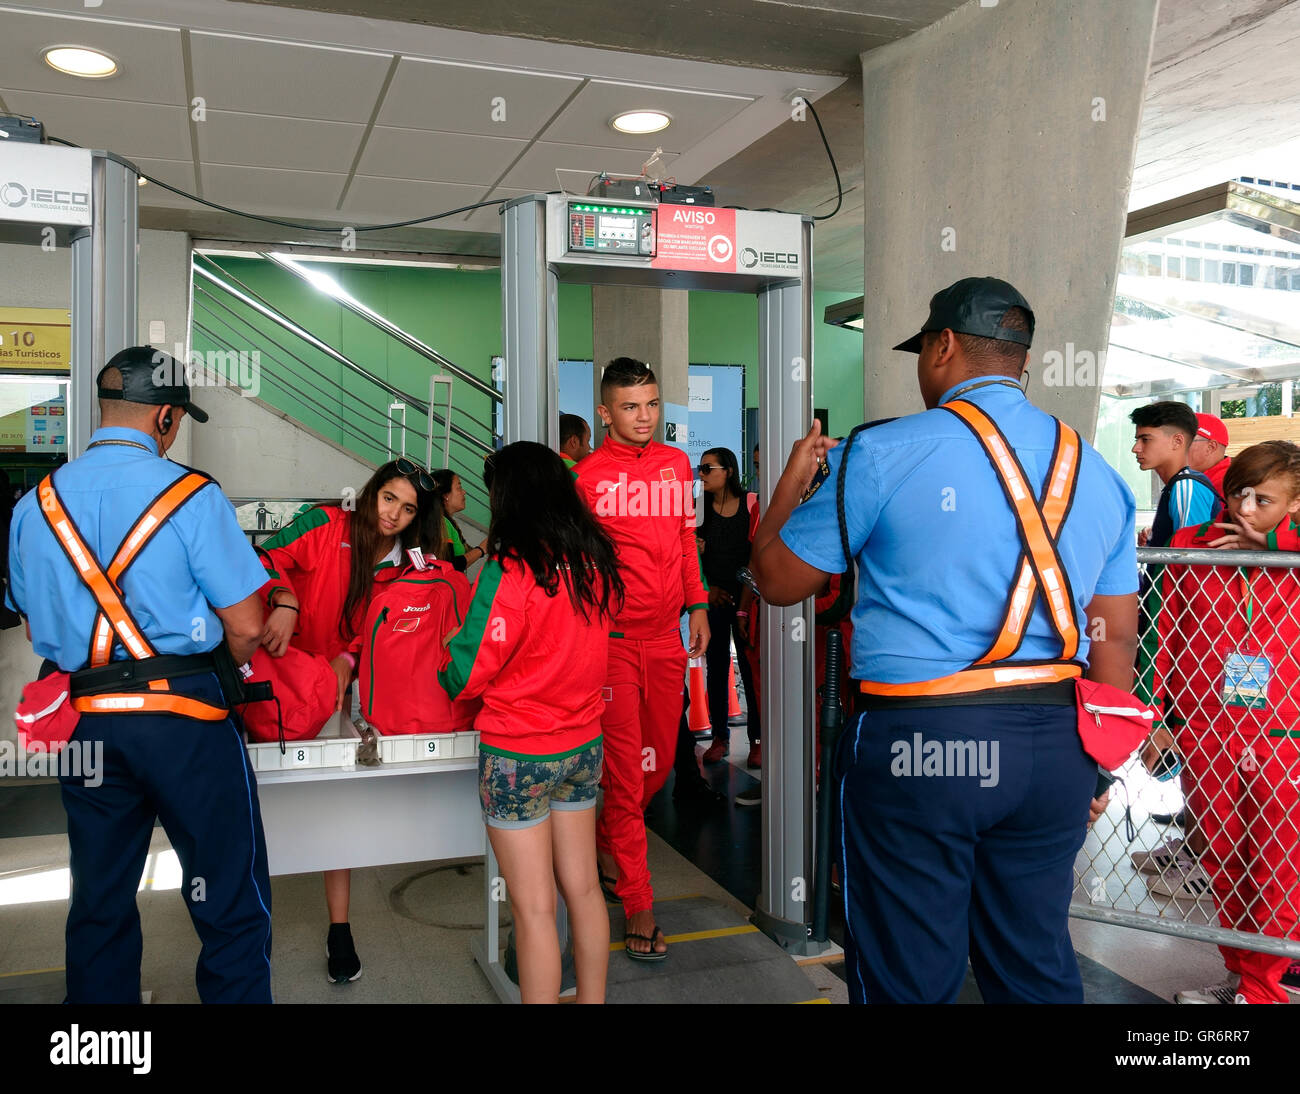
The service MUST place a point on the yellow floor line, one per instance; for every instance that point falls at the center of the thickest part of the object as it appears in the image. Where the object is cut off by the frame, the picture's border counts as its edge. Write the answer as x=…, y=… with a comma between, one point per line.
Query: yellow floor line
x=29, y=972
x=699, y=936
x=821, y=999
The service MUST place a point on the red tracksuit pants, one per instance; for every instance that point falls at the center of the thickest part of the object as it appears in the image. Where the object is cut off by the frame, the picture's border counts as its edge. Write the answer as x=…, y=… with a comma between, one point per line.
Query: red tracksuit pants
x=1240, y=786
x=643, y=706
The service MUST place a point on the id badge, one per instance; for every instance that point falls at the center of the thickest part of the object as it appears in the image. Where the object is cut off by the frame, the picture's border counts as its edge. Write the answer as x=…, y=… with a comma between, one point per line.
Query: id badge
x=1245, y=680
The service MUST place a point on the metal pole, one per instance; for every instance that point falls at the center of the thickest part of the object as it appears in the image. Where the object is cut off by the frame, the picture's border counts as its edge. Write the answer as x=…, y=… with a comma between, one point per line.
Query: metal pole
x=105, y=281
x=528, y=322
x=785, y=401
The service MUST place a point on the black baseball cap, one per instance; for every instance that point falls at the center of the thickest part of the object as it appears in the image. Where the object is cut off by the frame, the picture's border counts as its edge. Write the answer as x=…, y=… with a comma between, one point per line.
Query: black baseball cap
x=153, y=377
x=974, y=305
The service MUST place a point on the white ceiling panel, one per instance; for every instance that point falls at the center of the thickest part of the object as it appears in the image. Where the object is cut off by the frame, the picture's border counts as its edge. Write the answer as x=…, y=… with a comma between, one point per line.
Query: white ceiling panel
x=460, y=99
x=295, y=195
x=694, y=116
x=488, y=219
x=129, y=129
x=437, y=157
x=287, y=79
x=296, y=144
x=148, y=59
x=536, y=171
x=180, y=175
x=380, y=201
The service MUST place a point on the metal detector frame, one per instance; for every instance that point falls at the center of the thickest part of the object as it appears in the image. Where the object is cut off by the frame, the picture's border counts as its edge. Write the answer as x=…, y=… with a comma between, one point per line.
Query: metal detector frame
x=533, y=263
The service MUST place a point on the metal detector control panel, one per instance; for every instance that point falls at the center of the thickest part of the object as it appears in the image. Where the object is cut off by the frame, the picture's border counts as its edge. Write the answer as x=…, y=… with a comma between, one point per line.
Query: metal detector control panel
x=611, y=228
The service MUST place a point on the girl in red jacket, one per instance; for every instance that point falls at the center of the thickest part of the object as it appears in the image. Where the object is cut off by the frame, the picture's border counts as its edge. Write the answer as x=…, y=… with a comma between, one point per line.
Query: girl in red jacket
x=1228, y=673
x=534, y=647
x=321, y=569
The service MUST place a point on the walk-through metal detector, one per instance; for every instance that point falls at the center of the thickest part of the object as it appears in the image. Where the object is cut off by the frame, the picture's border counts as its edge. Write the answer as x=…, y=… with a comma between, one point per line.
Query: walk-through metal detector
x=52, y=197
x=546, y=239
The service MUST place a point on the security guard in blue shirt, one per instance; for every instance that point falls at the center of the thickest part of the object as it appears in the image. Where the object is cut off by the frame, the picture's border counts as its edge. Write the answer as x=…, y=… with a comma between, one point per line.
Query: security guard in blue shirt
x=996, y=556
x=191, y=589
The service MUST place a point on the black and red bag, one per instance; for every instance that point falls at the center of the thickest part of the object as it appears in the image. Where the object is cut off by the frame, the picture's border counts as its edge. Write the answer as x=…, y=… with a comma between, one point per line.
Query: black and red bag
x=306, y=689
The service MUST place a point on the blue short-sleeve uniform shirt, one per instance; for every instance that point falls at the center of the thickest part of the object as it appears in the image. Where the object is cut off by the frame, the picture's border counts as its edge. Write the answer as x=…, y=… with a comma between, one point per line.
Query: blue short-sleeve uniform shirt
x=936, y=540
x=199, y=560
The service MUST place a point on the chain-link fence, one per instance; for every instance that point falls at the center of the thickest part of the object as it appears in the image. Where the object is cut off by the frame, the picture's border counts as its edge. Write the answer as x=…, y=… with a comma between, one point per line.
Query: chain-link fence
x=1218, y=657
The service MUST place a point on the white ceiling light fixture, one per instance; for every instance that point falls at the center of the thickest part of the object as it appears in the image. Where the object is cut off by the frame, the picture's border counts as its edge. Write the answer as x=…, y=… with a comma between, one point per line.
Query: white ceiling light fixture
x=79, y=61
x=640, y=122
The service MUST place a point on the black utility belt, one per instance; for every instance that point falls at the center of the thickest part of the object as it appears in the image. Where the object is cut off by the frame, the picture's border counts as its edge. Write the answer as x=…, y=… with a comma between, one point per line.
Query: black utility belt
x=137, y=674
x=1059, y=693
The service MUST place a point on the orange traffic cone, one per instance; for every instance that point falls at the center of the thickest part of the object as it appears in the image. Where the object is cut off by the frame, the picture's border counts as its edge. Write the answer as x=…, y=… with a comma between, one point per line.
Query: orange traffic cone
x=733, y=696
x=698, y=716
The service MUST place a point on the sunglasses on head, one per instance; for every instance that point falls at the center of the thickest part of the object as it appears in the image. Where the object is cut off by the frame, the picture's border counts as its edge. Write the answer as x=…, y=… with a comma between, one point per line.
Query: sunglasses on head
x=423, y=479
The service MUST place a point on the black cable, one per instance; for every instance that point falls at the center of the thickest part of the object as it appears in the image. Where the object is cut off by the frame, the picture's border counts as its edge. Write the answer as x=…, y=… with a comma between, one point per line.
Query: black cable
x=839, y=186
x=290, y=223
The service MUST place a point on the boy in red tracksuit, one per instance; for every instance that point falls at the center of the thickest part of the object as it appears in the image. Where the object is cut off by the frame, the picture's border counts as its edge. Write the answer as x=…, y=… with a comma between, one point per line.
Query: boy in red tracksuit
x=640, y=492
x=1228, y=676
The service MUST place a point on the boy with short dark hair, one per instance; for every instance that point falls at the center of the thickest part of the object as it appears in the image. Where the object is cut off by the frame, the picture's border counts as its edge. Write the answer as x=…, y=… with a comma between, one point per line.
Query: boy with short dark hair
x=641, y=492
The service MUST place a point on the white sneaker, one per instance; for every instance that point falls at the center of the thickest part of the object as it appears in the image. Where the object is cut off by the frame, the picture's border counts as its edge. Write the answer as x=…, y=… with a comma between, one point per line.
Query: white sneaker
x=1160, y=859
x=1223, y=992
x=1191, y=884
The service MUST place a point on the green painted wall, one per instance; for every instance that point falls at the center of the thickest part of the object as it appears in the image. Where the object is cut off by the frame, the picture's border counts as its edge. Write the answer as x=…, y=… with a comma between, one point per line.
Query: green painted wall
x=458, y=313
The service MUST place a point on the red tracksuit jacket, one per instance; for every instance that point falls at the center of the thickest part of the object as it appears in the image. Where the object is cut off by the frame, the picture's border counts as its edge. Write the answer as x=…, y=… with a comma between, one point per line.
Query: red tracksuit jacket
x=538, y=664
x=642, y=498
x=1203, y=618
x=311, y=558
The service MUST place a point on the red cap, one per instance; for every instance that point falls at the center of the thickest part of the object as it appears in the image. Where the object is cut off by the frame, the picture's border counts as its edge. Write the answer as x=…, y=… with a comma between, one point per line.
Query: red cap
x=1212, y=429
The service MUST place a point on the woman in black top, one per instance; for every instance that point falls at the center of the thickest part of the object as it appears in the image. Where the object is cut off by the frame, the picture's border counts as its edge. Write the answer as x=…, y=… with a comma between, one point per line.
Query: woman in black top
x=726, y=533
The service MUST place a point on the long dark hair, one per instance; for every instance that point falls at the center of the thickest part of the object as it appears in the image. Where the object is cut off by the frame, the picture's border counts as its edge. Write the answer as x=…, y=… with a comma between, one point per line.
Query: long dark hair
x=443, y=481
x=538, y=519
x=424, y=532
x=726, y=459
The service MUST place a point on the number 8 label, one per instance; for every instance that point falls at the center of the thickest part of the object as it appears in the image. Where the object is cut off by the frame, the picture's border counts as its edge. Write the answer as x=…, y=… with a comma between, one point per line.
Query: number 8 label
x=299, y=757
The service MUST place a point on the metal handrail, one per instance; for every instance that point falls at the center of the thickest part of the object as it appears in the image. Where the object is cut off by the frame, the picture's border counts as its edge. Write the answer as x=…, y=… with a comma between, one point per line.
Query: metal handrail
x=252, y=300
x=387, y=326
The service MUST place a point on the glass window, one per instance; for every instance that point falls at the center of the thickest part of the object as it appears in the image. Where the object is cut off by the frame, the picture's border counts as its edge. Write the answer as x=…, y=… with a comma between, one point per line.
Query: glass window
x=33, y=428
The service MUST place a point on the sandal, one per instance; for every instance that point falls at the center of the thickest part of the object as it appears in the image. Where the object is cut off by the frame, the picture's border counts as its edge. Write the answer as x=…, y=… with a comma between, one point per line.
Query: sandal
x=652, y=938
x=607, y=884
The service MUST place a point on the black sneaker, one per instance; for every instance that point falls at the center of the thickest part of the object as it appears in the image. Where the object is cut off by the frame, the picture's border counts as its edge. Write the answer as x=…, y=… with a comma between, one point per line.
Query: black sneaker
x=688, y=791
x=344, y=964
x=752, y=796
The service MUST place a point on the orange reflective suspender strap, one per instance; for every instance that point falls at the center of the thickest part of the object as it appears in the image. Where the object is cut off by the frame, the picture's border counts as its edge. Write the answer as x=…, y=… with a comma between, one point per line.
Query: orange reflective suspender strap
x=1039, y=523
x=159, y=512
x=1058, y=493
x=92, y=575
x=1039, y=542
x=114, y=617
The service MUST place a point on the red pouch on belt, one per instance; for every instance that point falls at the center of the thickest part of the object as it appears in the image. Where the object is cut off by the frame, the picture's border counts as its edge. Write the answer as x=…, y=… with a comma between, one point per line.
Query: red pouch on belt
x=45, y=717
x=1112, y=723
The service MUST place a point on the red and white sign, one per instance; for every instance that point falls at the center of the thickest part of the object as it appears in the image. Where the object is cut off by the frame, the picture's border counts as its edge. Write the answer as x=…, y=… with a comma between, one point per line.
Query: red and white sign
x=728, y=241
x=691, y=237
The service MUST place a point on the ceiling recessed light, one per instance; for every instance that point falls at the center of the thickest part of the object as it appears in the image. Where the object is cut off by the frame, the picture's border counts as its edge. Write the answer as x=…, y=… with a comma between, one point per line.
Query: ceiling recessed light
x=76, y=61
x=641, y=121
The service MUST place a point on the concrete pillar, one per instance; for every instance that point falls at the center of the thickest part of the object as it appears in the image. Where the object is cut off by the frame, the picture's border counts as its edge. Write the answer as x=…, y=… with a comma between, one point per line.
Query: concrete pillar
x=650, y=325
x=1000, y=141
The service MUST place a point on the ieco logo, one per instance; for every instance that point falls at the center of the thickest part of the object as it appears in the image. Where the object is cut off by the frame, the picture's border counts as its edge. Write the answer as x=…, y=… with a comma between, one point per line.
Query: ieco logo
x=749, y=258
x=15, y=195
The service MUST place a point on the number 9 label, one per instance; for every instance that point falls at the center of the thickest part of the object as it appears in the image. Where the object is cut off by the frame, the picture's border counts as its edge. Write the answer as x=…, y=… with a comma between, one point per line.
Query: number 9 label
x=431, y=749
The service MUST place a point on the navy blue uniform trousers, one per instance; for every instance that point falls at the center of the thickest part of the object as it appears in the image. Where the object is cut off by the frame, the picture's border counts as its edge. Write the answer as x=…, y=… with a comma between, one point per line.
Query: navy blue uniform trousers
x=195, y=777
x=936, y=867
